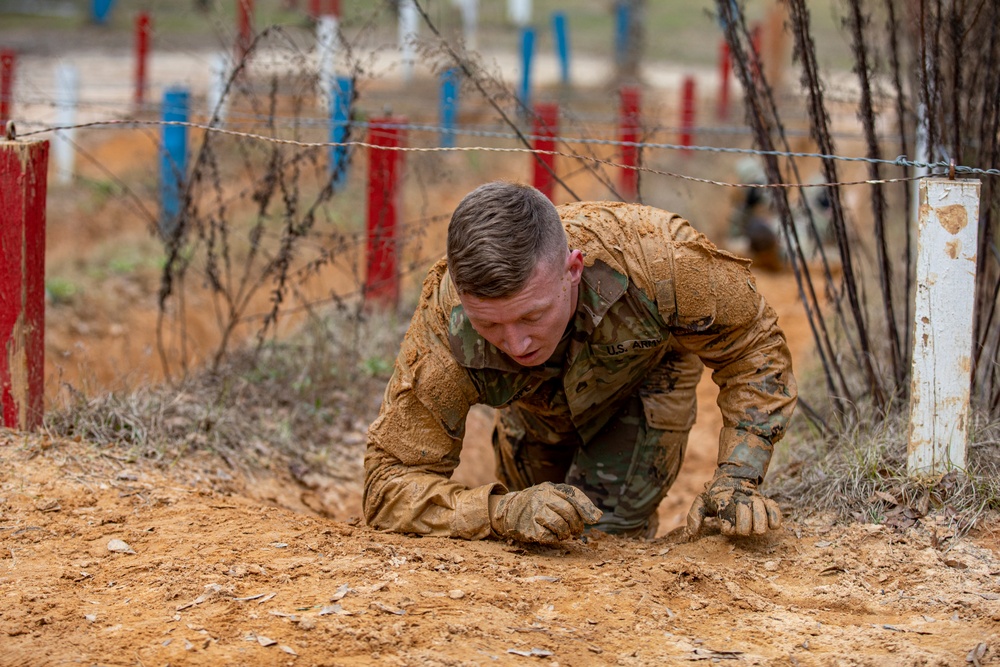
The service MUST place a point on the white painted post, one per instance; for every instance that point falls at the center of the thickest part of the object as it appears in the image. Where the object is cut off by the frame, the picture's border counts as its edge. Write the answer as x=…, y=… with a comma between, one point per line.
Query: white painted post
x=519, y=12
x=219, y=75
x=470, y=23
x=921, y=155
x=942, y=340
x=408, y=18
x=328, y=46
x=67, y=97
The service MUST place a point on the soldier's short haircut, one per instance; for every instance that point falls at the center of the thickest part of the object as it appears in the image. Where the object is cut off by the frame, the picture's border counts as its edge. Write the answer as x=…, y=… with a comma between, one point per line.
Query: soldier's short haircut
x=498, y=234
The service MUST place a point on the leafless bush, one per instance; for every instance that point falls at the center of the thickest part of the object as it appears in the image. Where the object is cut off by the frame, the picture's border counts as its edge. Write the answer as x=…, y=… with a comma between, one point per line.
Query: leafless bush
x=303, y=402
x=947, y=47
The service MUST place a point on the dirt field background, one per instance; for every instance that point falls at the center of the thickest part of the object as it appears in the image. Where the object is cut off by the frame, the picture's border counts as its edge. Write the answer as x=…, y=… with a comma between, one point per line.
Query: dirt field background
x=106, y=559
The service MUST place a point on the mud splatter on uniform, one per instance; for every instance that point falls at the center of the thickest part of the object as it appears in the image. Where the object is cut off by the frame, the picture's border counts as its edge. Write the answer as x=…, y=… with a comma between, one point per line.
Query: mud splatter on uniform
x=611, y=411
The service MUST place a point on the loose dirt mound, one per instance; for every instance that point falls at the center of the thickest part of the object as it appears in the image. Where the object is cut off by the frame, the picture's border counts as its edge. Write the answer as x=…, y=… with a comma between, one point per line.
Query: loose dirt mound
x=218, y=579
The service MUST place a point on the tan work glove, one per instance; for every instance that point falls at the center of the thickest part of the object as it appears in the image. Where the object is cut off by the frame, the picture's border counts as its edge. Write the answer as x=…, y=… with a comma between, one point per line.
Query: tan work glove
x=544, y=513
x=741, y=509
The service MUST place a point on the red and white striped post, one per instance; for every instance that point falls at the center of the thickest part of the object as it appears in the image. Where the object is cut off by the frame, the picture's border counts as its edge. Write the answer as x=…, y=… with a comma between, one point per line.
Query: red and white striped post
x=142, y=31
x=385, y=166
x=244, y=28
x=8, y=61
x=546, y=127
x=725, y=73
x=23, y=169
x=687, y=113
x=629, y=116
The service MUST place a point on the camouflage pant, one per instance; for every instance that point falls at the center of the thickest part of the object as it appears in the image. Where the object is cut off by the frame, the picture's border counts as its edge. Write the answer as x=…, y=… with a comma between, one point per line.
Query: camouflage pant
x=628, y=466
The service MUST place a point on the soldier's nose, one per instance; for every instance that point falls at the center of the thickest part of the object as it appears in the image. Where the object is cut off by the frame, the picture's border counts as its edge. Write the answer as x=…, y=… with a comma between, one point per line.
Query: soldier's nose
x=517, y=344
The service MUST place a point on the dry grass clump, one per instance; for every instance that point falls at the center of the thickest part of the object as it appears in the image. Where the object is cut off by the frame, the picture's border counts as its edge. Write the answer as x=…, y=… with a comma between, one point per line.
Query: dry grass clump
x=859, y=473
x=299, y=404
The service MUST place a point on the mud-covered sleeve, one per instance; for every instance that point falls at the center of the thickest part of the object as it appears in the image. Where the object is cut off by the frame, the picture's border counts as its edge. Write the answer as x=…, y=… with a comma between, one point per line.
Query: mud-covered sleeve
x=414, y=444
x=711, y=303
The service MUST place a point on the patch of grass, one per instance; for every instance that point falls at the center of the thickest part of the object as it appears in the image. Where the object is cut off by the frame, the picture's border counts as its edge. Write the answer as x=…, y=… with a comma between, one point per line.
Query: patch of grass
x=100, y=191
x=377, y=366
x=860, y=473
x=61, y=291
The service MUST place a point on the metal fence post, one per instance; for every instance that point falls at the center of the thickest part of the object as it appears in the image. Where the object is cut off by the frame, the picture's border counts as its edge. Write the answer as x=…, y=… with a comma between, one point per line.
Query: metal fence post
x=629, y=133
x=23, y=169
x=943, y=319
x=340, y=121
x=8, y=64
x=546, y=127
x=385, y=171
x=142, y=32
x=173, y=160
x=449, y=106
x=527, y=51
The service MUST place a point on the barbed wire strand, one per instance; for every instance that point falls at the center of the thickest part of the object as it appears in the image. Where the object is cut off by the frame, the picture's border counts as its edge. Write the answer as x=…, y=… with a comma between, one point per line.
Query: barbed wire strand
x=901, y=161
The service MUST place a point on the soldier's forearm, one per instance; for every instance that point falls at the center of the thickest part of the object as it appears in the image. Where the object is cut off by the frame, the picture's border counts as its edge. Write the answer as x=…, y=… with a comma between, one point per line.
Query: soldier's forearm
x=744, y=455
x=428, y=504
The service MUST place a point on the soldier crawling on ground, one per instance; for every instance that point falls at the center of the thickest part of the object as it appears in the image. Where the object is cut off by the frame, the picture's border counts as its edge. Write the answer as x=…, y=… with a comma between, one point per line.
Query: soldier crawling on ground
x=586, y=325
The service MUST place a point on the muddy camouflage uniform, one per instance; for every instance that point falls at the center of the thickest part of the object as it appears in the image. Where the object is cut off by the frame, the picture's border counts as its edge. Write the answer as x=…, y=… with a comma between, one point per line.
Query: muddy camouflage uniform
x=611, y=411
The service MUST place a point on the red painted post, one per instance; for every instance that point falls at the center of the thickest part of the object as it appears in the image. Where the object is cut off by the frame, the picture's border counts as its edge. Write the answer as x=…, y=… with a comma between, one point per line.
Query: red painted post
x=725, y=71
x=319, y=8
x=244, y=28
x=546, y=126
x=629, y=184
x=384, y=171
x=23, y=169
x=687, y=113
x=142, y=30
x=8, y=59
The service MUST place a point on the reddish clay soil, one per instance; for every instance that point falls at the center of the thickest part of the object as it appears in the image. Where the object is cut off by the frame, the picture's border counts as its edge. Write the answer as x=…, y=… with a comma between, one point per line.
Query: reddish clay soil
x=112, y=563
x=109, y=561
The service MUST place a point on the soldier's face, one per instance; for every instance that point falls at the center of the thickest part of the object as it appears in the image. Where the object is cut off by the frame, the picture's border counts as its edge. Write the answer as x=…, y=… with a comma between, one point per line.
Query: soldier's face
x=527, y=326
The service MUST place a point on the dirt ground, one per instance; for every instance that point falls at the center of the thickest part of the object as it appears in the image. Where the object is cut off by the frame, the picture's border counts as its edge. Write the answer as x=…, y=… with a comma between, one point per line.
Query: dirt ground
x=104, y=562
x=109, y=561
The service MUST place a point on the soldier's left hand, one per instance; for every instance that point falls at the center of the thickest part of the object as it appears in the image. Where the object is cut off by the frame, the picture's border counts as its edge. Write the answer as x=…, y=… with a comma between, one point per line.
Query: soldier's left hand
x=740, y=507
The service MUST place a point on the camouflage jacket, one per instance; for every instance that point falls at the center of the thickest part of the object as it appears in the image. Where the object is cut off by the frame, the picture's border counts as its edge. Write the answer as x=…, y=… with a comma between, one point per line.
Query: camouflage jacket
x=650, y=281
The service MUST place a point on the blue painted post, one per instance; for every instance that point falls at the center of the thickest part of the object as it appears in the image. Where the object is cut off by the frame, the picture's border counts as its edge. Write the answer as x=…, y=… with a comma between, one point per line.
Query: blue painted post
x=562, y=44
x=100, y=10
x=449, y=106
x=527, y=51
x=173, y=160
x=340, y=118
x=622, y=20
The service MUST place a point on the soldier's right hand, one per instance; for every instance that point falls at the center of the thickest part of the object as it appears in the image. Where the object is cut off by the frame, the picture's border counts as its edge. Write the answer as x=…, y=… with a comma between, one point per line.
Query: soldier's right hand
x=544, y=513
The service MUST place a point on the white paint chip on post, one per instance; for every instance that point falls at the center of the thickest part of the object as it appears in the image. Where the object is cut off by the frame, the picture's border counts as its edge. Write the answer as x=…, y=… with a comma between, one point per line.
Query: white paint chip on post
x=943, y=319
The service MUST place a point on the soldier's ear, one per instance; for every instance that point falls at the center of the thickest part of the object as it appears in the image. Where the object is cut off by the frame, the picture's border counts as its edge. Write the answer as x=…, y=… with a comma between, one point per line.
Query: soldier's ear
x=574, y=265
